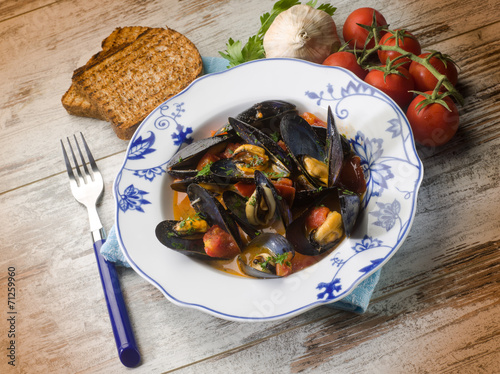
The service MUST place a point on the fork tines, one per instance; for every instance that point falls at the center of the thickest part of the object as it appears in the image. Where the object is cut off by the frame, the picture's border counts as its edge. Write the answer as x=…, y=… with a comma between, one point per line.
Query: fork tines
x=82, y=177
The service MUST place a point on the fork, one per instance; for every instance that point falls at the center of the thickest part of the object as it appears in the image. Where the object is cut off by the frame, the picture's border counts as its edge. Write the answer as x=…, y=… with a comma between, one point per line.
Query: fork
x=87, y=188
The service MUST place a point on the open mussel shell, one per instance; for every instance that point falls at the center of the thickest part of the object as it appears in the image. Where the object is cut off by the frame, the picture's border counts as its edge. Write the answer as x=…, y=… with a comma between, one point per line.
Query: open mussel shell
x=336, y=199
x=314, y=149
x=228, y=169
x=212, y=210
x=191, y=242
x=236, y=204
x=187, y=245
x=266, y=114
x=258, y=250
x=301, y=141
x=265, y=207
x=252, y=135
x=183, y=164
x=211, y=182
x=265, y=190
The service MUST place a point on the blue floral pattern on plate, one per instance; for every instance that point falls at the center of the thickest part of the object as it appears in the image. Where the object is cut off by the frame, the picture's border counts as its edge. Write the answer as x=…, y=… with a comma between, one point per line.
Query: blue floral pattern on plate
x=378, y=132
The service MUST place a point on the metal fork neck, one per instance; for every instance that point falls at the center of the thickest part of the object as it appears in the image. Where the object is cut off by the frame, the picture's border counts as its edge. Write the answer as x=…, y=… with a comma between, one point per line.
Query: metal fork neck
x=98, y=234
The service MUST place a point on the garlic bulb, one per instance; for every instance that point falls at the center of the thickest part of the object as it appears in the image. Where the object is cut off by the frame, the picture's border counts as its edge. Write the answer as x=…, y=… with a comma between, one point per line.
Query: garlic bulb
x=302, y=32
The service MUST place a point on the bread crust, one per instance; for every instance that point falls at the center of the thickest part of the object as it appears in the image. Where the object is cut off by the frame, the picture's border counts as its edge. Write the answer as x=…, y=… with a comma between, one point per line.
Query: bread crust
x=76, y=102
x=131, y=76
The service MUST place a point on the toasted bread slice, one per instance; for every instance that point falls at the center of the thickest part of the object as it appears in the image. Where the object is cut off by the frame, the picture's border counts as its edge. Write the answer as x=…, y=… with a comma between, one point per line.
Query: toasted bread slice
x=76, y=102
x=129, y=83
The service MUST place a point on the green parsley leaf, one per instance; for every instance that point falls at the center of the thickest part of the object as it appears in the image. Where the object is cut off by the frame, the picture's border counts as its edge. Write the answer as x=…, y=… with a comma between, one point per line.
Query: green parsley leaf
x=237, y=53
x=205, y=170
x=275, y=136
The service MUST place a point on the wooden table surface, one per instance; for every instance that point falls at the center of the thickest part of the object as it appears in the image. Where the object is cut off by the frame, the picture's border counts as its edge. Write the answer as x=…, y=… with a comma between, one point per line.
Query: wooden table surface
x=436, y=308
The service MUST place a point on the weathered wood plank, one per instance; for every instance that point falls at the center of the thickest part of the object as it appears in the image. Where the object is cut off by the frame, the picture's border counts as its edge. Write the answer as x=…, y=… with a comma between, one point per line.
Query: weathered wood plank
x=446, y=325
x=15, y=8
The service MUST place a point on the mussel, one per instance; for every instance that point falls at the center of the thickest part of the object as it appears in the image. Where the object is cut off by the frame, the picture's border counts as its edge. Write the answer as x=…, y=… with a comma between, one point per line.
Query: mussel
x=319, y=160
x=266, y=256
x=186, y=236
x=342, y=208
x=264, y=115
x=183, y=164
x=263, y=209
x=259, y=152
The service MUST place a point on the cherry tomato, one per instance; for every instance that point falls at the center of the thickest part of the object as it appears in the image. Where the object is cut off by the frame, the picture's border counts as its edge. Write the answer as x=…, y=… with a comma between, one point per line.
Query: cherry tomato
x=434, y=125
x=406, y=41
x=425, y=80
x=346, y=60
x=356, y=35
x=394, y=85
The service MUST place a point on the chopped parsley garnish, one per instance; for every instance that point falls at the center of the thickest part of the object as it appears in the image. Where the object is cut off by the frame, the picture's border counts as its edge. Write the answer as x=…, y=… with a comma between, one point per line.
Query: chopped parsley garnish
x=205, y=170
x=252, y=201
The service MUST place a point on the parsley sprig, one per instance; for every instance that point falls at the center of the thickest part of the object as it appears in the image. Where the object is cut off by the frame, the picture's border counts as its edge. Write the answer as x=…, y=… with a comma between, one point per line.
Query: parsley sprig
x=237, y=53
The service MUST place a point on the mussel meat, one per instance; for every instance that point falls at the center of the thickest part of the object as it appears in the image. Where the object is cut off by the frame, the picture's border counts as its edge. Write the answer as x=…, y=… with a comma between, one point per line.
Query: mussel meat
x=189, y=236
x=267, y=256
x=328, y=219
x=259, y=152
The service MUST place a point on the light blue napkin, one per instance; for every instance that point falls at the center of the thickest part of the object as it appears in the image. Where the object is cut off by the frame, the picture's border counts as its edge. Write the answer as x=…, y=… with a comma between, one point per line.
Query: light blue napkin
x=357, y=301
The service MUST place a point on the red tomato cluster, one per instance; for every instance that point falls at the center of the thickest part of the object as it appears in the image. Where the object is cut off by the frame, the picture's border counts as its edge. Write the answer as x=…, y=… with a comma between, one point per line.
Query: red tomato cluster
x=433, y=124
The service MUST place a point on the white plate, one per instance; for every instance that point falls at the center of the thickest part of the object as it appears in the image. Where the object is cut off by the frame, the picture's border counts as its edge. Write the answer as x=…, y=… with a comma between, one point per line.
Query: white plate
x=379, y=133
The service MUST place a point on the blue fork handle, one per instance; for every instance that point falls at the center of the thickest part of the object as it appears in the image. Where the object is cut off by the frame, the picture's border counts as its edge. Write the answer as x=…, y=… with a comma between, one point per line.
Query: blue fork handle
x=122, y=330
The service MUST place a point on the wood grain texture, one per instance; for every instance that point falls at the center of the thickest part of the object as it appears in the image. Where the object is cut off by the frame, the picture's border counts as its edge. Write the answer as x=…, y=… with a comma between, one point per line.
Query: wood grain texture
x=435, y=309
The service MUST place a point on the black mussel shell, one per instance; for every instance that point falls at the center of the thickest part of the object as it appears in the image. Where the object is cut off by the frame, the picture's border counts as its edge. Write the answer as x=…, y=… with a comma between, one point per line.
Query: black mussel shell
x=296, y=231
x=212, y=210
x=254, y=136
x=321, y=132
x=350, y=204
x=211, y=182
x=189, y=246
x=334, y=149
x=265, y=115
x=183, y=163
x=227, y=169
x=283, y=210
x=271, y=244
x=235, y=204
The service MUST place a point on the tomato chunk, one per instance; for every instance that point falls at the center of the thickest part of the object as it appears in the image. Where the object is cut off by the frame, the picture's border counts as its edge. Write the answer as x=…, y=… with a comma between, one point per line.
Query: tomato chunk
x=218, y=243
x=285, y=268
x=208, y=158
x=313, y=120
x=286, y=191
x=245, y=189
x=229, y=151
x=317, y=217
